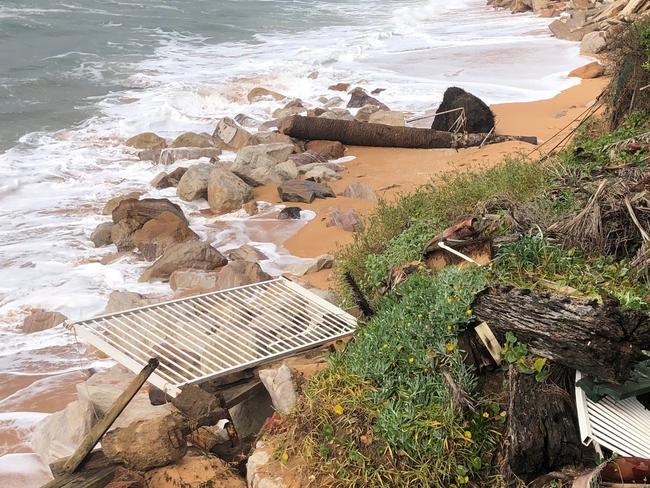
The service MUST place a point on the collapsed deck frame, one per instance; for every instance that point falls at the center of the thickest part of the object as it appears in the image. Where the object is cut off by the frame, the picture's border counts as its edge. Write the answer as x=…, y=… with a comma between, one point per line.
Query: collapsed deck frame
x=203, y=337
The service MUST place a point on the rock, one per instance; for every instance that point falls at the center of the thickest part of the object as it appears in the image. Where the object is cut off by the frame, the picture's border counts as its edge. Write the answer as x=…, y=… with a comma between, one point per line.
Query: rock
x=192, y=139
x=306, y=168
x=303, y=191
x=158, y=234
x=340, y=87
x=165, y=180
x=39, y=320
x=269, y=138
x=348, y=220
x=240, y=273
x=194, y=183
x=126, y=478
x=226, y=191
x=312, y=265
x=320, y=173
x=146, y=444
x=258, y=471
x=259, y=93
x=281, y=113
x=290, y=213
x=308, y=157
x=284, y=171
x=246, y=253
x=247, y=121
x=327, y=149
x=230, y=135
x=192, y=279
x=364, y=113
x=122, y=234
x=593, y=43
x=360, y=190
x=333, y=102
x=101, y=236
x=126, y=300
x=564, y=30
x=115, y=201
x=141, y=211
x=147, y=140
x=199, y=406
x=269, y=125
x=480, y=118
x=195, y=471
x=388, y=117
x=171, y=155
x=281, y=387
x=337, y=114
x=207, y=437
x=186, y=255
x=359, y=98
x=588, y=71
x=265, y=156
x=250, y=207
x=58, y=435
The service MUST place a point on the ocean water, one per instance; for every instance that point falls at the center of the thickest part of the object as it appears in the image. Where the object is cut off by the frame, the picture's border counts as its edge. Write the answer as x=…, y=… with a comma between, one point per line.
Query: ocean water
x=78, y=77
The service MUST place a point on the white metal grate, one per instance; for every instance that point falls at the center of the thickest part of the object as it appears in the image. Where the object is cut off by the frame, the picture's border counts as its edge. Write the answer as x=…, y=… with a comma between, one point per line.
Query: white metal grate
x=206, y=336
x=623, y=426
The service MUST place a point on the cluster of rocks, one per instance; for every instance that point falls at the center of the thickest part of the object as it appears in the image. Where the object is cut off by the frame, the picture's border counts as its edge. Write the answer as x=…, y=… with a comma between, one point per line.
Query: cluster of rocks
x=192, y=440
x=591, y=22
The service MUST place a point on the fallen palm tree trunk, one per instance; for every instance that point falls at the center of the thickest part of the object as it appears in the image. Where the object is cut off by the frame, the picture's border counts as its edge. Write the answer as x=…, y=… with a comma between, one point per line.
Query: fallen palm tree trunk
x=600, y=340
x=357, y=133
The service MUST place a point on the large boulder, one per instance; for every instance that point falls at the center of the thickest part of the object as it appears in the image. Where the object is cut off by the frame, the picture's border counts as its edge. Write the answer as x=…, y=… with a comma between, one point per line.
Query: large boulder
x=588, y=71
x=185, y=255
x=274, y=174
x=231, y=135
x=593, y=43
x=39, y=320
x=115, y=201
x=147, y=444
x=388, y=117
x=260, y=93
x=158, y=234
x=147, y=140
x=327, y=149
x=194, y=183
x=172, y=154
x=141, y=211
x=265, y=156
x=193, y=279
x=58, y=435
x=480, y=118
x=226, y=191
x=195, y=471
x=192, y=139
x=101, y=236
x=365, y=112
x=126, y=300
x=246, y=253
x=359, y=98
x=304, y=191
x=240, y=273
x=281, y=387
x=122, y=234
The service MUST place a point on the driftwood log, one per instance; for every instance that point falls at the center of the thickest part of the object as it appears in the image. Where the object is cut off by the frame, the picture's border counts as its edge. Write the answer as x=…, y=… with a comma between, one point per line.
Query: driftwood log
x=600, y=340
x=356, y=133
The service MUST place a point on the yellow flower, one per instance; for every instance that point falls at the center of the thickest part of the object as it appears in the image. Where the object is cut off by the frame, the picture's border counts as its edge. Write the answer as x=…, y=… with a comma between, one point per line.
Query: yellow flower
x=486, y=415
x=449, y=327
x=385, y=345
x=468, y=435
x=451, y=347
x=449, y=300
x=285, y=456
x=411, y=360
x=468, y=312
x=420, y=315
x=504, y=413
x=338, y=409
x=465, y=479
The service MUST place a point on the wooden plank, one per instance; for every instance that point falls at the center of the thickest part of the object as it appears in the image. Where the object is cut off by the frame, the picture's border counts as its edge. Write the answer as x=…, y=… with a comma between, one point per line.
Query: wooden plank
x=236, y=394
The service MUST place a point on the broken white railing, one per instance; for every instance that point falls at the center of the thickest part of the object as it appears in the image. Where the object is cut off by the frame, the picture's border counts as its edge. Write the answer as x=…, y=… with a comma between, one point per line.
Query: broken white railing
x=203, y=337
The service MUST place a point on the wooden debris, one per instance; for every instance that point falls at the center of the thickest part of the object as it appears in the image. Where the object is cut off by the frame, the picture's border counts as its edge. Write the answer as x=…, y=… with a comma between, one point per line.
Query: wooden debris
x=355, y=133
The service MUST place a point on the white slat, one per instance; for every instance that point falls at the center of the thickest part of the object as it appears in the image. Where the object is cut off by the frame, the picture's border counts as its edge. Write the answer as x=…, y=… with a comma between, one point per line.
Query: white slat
x=203, y=337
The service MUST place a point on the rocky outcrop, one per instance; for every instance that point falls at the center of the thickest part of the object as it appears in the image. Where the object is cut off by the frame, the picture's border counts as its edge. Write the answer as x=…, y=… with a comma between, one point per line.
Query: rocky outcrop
x=479, y=118
x=160, y=233
x=101, y=236
x=246, y=253
x=186, y=255
x=192, y=139
x=195, y=471
x=147, y=140
x=303, y=191
x=359, y=98
x=326, y=149
x=39, y=320
x=147, y=444
x=231, y=135
x=194, y=183
x=260, y=93
x=226, y=191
